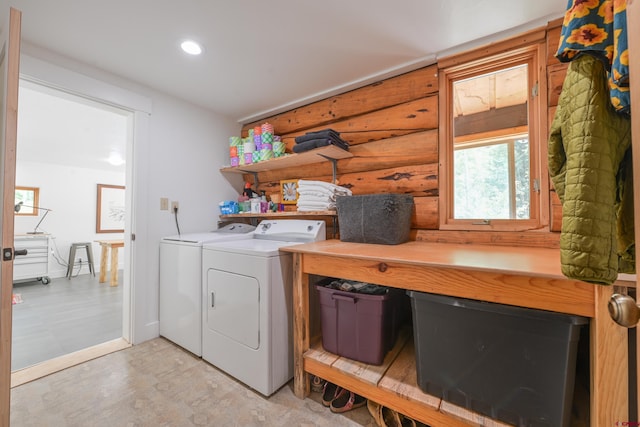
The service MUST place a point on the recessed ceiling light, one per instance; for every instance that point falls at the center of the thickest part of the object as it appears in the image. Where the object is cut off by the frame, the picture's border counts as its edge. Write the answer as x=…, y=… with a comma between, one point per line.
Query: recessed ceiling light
x=191, y=47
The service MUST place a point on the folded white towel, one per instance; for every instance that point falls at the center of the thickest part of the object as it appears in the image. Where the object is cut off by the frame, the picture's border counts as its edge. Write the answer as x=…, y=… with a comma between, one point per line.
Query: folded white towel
x=316, y=193
x=325, y=185
x=313, y=198
x=312, y=209
x=319, y=205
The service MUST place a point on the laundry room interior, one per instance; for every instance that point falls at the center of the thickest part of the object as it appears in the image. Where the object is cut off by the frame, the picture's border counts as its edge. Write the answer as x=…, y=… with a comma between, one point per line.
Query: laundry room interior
x=401, y=228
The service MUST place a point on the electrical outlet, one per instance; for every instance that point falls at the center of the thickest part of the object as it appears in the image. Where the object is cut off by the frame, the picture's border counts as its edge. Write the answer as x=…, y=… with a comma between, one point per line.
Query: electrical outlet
x=174, y=206
x=164, y=204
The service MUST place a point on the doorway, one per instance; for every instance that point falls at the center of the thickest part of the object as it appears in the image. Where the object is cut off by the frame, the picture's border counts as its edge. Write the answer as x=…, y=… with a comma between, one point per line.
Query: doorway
x=69, y=146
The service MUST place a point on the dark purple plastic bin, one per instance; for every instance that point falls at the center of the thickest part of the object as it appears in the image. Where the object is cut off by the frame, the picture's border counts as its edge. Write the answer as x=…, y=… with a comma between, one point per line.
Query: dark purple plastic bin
x=361, y=327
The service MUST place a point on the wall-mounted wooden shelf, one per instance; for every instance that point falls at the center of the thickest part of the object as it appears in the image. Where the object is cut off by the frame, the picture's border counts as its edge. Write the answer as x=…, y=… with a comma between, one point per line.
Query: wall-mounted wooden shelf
x=287, y=214
x=317, y=155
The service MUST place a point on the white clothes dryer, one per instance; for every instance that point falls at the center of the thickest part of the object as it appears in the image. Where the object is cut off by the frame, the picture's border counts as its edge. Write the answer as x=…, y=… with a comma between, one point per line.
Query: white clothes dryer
x=247, y=321
x=180, y=308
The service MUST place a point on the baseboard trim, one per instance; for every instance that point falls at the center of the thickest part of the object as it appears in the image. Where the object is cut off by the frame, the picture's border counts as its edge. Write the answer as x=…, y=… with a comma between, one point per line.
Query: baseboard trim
x=48, y=367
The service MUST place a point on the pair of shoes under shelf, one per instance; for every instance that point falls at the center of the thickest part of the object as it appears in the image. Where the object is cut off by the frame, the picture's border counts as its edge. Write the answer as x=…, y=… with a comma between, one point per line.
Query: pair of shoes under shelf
x=346, y=400
x=329, y=392
x=386, y=417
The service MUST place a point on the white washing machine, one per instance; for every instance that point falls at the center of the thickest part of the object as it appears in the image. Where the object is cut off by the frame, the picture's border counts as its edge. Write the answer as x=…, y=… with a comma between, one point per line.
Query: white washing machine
x=247, y=321
x=180, y=309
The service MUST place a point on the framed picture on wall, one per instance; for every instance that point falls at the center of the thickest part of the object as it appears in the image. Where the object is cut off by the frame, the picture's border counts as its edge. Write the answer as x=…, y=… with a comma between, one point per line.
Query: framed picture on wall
x=27, y=200
x=289, y=191
x=110, y=209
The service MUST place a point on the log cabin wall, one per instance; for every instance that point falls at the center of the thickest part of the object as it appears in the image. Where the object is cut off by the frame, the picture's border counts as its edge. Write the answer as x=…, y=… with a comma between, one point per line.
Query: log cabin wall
x=392, y=129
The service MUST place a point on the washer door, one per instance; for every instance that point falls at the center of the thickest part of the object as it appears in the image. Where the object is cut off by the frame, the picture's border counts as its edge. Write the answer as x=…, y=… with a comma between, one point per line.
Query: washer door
x=233, y=307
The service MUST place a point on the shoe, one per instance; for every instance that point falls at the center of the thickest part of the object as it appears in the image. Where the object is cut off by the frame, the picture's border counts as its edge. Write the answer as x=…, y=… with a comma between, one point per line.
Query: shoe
x=375, y=409
x=385, y=417
x=329, y=392
x=393, y=418
x=317, y=384
x=346, y=401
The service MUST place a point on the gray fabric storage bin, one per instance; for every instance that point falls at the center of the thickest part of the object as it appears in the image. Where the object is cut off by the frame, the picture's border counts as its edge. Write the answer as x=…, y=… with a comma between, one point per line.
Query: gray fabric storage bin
x=375, y=218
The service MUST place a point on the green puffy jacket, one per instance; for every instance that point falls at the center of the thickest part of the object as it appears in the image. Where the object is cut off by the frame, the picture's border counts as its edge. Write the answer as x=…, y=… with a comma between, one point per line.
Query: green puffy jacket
x=590, y=166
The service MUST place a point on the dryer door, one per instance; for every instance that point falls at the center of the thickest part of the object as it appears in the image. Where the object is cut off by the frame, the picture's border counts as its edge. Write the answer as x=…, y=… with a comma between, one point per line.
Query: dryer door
x=233, y=307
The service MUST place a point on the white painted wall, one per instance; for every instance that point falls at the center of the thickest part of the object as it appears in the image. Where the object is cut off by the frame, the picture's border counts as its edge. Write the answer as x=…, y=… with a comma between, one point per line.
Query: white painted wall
x=71, y=195
x=179, y=150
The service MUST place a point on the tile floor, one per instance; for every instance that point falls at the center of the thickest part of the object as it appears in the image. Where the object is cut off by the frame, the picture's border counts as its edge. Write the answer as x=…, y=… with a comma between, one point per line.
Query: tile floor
x=157, y=383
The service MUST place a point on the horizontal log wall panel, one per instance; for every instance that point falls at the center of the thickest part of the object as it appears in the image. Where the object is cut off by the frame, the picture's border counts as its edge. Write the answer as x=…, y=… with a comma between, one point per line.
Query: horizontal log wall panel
x=417, y=180
x=317, y=171
x=426, y=213
x=396, y=90
x=403, y=119
x=534, y=239
x=413, y=149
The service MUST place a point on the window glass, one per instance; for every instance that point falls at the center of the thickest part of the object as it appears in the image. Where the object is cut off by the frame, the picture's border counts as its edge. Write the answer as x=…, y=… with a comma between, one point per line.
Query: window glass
x=489, y=147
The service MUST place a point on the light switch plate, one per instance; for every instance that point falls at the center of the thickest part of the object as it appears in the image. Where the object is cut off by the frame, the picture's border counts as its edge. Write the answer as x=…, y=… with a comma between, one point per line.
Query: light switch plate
x=164, y=204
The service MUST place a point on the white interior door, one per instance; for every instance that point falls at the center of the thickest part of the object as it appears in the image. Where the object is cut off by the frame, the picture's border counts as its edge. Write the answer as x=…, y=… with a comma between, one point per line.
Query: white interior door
x=9, y=75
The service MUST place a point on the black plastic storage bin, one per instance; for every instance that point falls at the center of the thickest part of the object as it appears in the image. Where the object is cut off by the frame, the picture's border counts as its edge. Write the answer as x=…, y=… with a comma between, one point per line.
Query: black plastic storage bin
x=360, y=326
x=513, y=364
x=375, y=218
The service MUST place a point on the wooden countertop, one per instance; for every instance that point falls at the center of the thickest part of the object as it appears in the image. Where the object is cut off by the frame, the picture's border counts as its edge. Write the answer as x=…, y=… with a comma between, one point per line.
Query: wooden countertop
x=531, y=262
x=518, y=276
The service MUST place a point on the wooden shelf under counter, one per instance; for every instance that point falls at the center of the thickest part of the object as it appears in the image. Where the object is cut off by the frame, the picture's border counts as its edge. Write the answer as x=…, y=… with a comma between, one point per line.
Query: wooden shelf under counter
x=523, y=277
x=393, y=382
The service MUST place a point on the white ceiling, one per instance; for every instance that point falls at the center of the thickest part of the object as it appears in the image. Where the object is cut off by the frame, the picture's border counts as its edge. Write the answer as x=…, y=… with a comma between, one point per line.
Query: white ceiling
x=59, y=128
x=260, y=57
x=263, y=56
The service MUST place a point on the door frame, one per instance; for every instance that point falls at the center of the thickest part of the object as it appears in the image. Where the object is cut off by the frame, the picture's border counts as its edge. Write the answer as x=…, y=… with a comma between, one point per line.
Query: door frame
x=10, y=60
x=135, y=259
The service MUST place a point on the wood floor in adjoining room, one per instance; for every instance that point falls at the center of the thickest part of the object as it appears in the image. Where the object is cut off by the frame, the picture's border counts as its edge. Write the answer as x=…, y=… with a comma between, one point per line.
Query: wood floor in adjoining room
x=63, y=317
x=157, y=383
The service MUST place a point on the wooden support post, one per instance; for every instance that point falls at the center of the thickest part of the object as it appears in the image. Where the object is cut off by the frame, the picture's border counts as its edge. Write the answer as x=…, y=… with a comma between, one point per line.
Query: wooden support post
x=300, y=326
x=609, y=365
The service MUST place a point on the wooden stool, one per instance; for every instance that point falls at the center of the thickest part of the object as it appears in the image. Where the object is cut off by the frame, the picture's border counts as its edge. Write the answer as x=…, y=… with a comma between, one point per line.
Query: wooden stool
x=72, y=257
x=109, y=249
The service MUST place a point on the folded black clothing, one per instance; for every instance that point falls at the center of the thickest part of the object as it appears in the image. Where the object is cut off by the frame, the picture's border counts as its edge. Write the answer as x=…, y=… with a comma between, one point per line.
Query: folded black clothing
x=310, y=145
x=335, y=141
x=325, y=133
x=321, y=142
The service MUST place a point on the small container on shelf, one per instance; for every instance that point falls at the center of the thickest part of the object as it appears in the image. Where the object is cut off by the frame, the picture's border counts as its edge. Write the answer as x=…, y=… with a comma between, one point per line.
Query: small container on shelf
x=360, y=326
x=228, y=207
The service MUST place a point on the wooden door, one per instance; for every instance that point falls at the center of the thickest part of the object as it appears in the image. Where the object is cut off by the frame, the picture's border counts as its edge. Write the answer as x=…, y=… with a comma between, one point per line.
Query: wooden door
x=633, y=21
x=9, y=75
